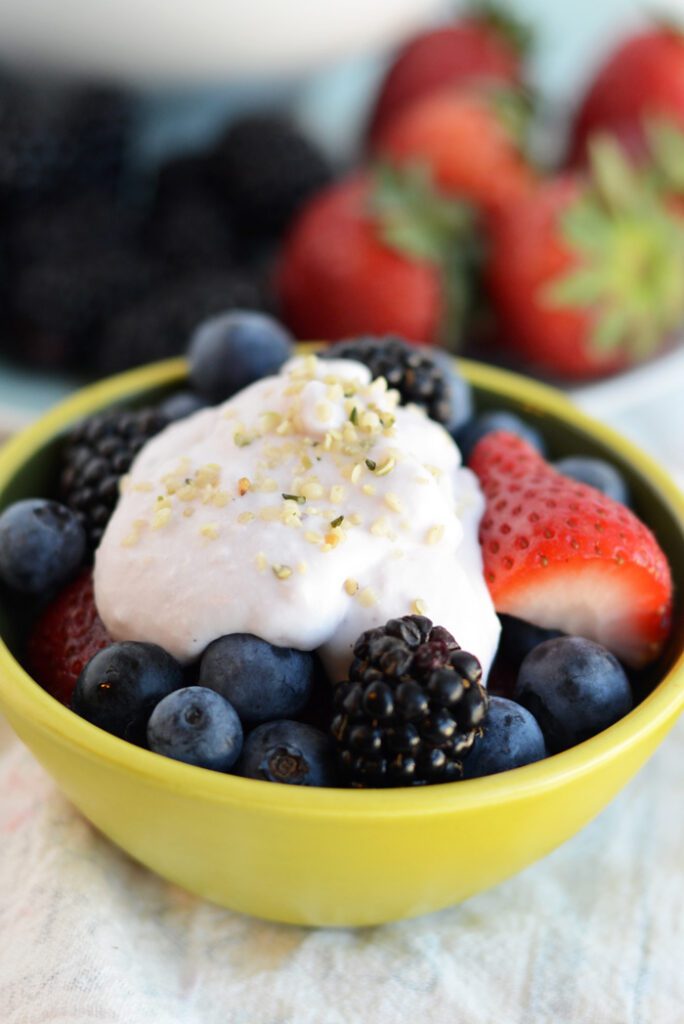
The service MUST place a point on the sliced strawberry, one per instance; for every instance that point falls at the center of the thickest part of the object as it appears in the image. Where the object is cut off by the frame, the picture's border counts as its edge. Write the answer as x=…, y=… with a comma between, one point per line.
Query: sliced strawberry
x=65, y=638
x=561, y=555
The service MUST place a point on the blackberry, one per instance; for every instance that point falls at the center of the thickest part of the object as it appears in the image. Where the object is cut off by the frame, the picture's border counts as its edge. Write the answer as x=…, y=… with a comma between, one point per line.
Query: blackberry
x=189, y=226
x=57, y=139
x=36, y=148
x=411, y=708
x=96, y=454
x=421, y=378
x=159, y=326
x=100, y=122
x=72, y=265
x=57, y=306
x=89, y=224
x=181, y=176
x=267, y=169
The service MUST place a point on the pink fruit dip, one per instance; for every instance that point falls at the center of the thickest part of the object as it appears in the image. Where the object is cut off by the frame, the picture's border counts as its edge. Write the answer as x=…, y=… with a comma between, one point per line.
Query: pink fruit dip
x=307, y=508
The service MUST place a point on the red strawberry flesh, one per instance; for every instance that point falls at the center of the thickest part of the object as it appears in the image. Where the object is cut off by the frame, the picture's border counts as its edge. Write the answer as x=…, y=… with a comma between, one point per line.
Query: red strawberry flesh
x=561, y=555
x=459, y=54
x=65, y=638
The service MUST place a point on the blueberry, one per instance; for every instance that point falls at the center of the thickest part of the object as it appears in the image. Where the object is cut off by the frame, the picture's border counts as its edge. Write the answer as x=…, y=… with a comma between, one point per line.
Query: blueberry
x=460, y=391
x=597, y=473
x=511, y=738
x=473, y=431
x=518, y=638
x=289, y=752
x=42, y=544
x=574, y=688
x=231, y=350
x=197, y=726
x=120, y=686
x=180, y=405
x=261, y=681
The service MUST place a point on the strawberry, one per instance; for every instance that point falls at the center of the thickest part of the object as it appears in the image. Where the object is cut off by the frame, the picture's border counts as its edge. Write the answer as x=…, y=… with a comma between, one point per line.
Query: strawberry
x=642, y=81
x=485, y=46
x=371, y=254
x=467, y=140
x=561, y=555
x=586, y=276
x=65, y=638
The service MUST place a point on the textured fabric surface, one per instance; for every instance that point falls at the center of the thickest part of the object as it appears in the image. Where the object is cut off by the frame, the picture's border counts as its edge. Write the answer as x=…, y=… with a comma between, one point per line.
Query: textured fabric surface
x=594, y=934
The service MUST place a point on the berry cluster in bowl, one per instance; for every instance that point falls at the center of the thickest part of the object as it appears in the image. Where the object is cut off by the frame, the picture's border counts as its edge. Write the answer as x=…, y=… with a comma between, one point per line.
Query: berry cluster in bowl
x=582, y=590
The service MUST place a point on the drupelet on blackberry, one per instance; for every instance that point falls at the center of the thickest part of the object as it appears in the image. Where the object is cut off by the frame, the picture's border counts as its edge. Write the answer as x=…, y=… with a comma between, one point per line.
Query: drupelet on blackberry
x=56, y=139
x=411, y=707
x=88, y=223
x=422, y=377
x=36, y=148
x=189, y=225
x=160, y=324
x=101, y=120
x=267, y=168
x=72, y=265
x=58, y=306
x=95, y=455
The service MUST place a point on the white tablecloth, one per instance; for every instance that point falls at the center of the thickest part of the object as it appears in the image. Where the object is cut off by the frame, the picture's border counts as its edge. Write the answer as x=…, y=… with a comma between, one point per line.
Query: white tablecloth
x=594, y=934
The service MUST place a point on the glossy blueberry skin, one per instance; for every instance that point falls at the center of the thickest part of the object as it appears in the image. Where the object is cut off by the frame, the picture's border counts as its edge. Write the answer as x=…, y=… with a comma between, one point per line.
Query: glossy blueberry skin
x=518, y=638
x=288, y=752
x=574, y=688
x=473, y=431
x=229, y=351
x=597, y=473
x=197, y=726
x=42, y=544
x=261, y=681
x=511, y=738
x=180, y=405
x=460, y=389
x=121, y=685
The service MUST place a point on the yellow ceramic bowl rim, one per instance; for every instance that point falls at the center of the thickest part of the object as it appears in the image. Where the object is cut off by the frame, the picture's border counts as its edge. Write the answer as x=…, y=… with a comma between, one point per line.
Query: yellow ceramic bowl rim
x=26, y=699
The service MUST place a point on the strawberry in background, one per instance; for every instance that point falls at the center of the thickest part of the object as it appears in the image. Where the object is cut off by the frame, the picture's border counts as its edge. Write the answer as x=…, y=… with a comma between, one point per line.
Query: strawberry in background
x=641, y=82
x=483, y=45
x=470, y=139
x=380, y=252
x=586, y=274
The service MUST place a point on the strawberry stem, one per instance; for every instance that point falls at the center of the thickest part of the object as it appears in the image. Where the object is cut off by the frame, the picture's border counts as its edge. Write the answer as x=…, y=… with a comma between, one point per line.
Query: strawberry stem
x=415, y=219
x=515, y=31
x=629, y=249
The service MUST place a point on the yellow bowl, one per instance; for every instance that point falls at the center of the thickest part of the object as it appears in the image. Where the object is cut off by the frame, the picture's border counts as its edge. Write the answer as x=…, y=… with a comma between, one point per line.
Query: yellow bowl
x=340, y=857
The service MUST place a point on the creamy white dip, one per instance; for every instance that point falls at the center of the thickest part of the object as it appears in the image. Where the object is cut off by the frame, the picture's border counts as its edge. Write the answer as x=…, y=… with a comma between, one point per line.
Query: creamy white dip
x=307, y=508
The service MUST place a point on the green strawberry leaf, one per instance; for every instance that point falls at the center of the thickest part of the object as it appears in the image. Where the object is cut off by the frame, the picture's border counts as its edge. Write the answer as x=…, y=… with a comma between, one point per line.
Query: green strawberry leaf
x=512, y=29
x=578, y=288
x=415, y=219
x=610, y=329
x=616, y=181
x=628, y=249
x=514, y=107
x=666, y=149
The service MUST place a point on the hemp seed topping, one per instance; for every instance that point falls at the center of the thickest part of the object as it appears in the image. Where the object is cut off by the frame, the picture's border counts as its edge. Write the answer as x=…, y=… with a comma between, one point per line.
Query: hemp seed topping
x=281, y=572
